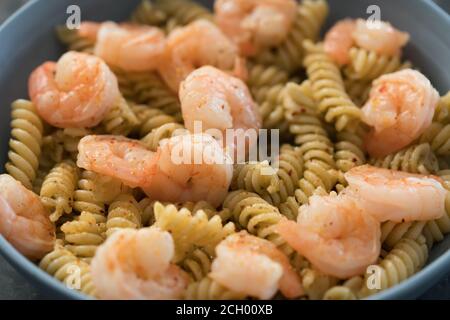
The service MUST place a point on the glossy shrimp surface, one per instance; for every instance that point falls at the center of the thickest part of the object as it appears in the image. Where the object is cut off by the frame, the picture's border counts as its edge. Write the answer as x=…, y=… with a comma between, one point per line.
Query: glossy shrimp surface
x=136, y=264
x=400, y=108
x=255, y=24
x=254, y=266
x=397, y=196
x=217, y=100
x=24, y=221
x=184, y=168
x=339, y=40
x=335, y=234
x=130, y=47
x=198, y=44
x=380, y=37
x=75, y=92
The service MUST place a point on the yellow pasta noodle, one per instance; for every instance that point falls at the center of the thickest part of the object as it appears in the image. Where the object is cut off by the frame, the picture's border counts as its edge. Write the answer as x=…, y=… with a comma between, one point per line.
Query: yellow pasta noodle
x=74, y=41
x=208, y=289
x=120, y=120
x=124, y=212
x=147, y=13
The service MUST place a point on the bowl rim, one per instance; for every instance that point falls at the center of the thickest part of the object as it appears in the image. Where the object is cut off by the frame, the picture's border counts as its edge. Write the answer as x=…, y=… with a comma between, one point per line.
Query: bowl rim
x=421, y=281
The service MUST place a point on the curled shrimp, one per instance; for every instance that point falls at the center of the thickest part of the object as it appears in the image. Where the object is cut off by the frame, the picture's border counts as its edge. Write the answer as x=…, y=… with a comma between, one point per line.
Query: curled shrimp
x=335, y=234
x=219, y=101
x=254, y=266
x=339, y=40
x=136, y=264
x=255, y=24
x=397, y=196
x=24, y=221
x=378, y=36
x=76, y=92
x=198, y=44
x=129, y=47
x=184, y=168
x=400, y=108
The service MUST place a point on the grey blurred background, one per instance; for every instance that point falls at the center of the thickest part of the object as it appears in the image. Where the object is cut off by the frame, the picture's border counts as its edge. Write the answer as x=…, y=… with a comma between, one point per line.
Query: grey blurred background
x=14, y=286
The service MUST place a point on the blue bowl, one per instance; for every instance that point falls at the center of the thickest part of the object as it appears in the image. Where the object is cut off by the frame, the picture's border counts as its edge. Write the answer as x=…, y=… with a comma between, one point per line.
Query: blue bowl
x=27, y=39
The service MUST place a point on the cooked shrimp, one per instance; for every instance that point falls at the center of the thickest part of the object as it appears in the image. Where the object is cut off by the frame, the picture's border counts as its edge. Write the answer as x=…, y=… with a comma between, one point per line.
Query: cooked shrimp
x=339, y=40
x=397, y=196
x=217, y=100
x=89, y=30
x=240, y=250
x=24, y=221
x=335, y=234
x=379, y=36
x=136, y=264
x=184, y=168
x=76, y=92
x=198, y=44
x=400, y=108
x=255, y=24
x=130, y=47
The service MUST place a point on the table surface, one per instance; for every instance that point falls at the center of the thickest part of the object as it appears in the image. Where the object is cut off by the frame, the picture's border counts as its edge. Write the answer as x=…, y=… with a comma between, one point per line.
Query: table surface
x=14, y=286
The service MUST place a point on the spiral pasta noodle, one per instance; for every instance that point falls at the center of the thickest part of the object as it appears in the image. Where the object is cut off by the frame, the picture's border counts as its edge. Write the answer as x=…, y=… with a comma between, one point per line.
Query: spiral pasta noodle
x=392, y=233
x=124, y=212
x=435, y=230
x=120, y=120
x=64, y=265
x=249, y=211
x=358, y=91
x=57, y=192
x=147, y=13
x=261, y=78
x=311, y=15
x=197, y=263
x=191, y=230
x=438, y=136
x=208, y=289
x=367, y=65
x=25, y=143
x=405, y=259
x=84, y=234
x=328, y=88
x=348, y=290
x=85, y=198
x=165, y=131
x=414, y=159
x=150, y=119
x=183, y=12
x=442, y=113
x=316, y=283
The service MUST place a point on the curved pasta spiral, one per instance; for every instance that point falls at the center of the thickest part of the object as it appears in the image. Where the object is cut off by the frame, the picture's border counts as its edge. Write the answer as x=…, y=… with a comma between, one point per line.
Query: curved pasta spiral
x=358, y=91
x=57, y=192
x=311, y=15
x=191, y=230
x=150, y=119
x=71, y=137
x=73, y=41
x=316, y=283
x=183, y=12
x=208, y=289
x=84, y=234
x=348, y=290
x=25, y=143
x=405, y=259
x=435, y=230
x=147, y=13
x=392, y=233
x=442, y=113
x=349, y=149
x=414, y=159
x=120, y=120
x=85, y=198
x=197, y=263
x=438, y=136
x=165, y=131
x=329, y=90
x=124, y=212
x=63, y=264
x=261, y=78
x=271, y=108
x=249, y=211
x=367, y=65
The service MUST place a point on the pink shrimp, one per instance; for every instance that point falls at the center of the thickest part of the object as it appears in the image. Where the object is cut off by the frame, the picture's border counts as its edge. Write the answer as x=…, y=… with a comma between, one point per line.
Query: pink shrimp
x=240, y=250
x=400, y=108
x=184, y=168
x=397, y=196
x=255, y=24
x=24, y=221
x=335, y=234
x=339, y=40
x=76, y=92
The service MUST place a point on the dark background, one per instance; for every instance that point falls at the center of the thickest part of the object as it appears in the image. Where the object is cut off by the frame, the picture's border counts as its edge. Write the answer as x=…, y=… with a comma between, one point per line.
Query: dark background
x=14, y=286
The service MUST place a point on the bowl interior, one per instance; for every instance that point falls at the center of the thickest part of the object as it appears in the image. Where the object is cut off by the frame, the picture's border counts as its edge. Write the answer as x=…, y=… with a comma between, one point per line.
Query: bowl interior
x=28, y=40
